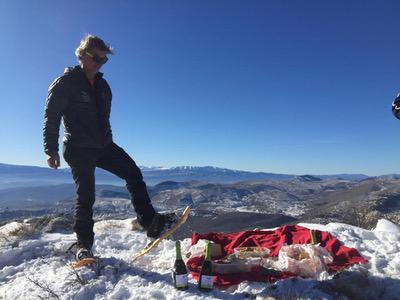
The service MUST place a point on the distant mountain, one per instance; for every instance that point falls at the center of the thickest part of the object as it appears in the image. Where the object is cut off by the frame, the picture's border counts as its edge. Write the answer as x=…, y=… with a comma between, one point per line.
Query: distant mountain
x=307, y=178
x=390, y=176
x=344, y=176
x=22, y=176
x=305, y=197
x=208, y=174
x=36, y=197
x=26, y=176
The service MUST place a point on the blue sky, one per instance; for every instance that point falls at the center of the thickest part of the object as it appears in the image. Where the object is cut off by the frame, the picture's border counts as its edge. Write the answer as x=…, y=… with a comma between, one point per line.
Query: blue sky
x=277, y=86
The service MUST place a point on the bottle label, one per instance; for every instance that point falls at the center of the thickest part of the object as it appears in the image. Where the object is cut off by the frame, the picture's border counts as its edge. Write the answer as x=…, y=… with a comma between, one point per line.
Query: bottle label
x=181, y=280
x=206, y=282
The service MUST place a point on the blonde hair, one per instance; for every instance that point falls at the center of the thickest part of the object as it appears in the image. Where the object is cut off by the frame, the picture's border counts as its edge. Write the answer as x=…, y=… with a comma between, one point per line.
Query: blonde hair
x=90, y=42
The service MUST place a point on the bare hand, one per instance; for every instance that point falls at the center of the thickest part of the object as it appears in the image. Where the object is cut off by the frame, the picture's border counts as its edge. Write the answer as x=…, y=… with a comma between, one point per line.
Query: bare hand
x=54, y=161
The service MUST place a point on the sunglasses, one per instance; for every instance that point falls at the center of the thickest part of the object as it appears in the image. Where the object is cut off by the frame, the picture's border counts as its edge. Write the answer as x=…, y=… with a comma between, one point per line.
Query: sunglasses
x=97, y=59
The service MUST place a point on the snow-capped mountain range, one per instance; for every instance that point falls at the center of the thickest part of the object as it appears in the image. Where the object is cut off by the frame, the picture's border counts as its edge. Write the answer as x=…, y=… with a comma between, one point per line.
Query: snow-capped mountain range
x=17, y=176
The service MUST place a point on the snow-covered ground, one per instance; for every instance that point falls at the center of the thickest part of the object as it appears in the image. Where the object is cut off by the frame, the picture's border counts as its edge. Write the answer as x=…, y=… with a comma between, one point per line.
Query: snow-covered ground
x=36, y=267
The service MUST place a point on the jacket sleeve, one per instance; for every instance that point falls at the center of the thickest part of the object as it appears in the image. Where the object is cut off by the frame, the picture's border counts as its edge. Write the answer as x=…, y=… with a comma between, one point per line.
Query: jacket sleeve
x=56, y=104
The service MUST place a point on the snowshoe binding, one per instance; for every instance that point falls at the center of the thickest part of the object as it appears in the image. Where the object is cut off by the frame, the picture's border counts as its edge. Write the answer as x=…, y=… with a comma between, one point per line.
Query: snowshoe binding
x=83, y=253
x=84, y=257
x=160, y=224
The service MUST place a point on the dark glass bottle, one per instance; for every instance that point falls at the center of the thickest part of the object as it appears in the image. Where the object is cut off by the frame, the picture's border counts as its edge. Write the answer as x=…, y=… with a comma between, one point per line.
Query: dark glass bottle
x=206, y=279
x=179, y=273
x=313, y=237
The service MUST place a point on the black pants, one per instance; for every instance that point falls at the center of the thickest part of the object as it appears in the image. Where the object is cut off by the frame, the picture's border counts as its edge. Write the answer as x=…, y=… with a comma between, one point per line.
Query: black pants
x=83, y=162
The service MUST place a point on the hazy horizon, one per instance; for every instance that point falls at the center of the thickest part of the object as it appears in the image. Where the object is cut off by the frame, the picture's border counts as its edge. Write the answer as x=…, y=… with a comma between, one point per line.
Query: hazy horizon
x=205, y=166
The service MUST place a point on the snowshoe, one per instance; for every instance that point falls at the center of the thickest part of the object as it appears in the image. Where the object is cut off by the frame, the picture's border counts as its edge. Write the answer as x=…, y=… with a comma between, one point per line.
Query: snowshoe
x=169, y=226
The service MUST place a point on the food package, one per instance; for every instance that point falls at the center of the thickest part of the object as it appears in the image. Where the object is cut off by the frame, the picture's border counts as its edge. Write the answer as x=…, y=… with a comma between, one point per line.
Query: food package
x=242, y=260
x=305, y=260
x=244, y=253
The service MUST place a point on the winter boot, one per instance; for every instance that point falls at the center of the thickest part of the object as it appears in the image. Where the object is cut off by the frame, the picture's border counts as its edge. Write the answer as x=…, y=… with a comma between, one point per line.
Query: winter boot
x=83, y=253
x=160, y=224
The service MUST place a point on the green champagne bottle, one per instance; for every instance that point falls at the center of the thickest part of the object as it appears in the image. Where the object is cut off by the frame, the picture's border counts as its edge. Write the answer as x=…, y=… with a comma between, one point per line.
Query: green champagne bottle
x=313, y=237
x=206, y=283
x=179, y=273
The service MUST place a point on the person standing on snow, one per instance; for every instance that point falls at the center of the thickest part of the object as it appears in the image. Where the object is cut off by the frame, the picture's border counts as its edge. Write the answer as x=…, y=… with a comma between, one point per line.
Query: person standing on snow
x=82, y=98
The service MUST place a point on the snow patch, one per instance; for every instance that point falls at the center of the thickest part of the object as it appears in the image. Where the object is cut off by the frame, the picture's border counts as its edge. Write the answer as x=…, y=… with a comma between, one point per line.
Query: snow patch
x=38, y=266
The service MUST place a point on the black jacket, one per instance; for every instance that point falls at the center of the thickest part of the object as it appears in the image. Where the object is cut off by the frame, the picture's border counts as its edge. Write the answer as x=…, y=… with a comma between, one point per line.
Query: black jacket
x=85, y=111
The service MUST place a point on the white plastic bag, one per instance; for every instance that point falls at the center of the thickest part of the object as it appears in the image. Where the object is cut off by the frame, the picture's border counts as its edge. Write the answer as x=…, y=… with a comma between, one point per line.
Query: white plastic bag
x=305, y=260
